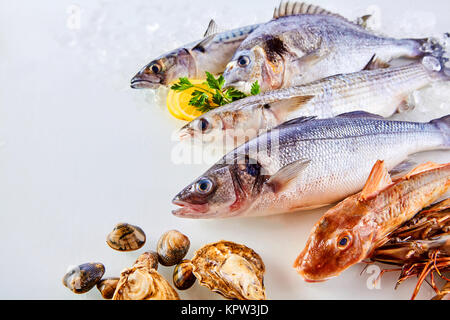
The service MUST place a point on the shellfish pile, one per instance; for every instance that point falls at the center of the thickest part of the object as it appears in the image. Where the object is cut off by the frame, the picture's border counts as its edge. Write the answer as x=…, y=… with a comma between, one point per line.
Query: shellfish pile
x=230, y=269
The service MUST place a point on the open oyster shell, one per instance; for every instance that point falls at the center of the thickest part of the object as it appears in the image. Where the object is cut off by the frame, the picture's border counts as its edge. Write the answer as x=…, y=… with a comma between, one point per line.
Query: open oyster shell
x=143, y=283
x=230, y=269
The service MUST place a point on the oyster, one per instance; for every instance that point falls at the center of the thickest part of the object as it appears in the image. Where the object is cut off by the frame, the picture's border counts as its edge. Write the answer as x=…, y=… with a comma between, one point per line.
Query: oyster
x=126, y=237
x=172, y=247
x=230, y=269
x=107, y=287
x=149, y=259
x=183, y=277
x=143, y=283
x=82, y=278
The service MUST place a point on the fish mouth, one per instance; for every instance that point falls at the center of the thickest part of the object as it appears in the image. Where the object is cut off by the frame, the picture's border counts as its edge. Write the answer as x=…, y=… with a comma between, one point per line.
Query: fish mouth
x=233, y=84
x=142, y=81
x=185, y=133
x=189, y=210
x=240, y=85
x=305, y=271
x=310, y=278
x=313, y=281
x=143, y=84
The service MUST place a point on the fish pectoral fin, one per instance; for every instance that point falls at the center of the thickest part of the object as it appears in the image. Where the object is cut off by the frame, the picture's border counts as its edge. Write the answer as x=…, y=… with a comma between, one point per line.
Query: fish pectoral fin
x=360, y=114
x=212, y=29
x=202, y=44
x=285, y=106
x=423, y=168
x=379, y=179
x=286, y=175
x=402, y=168
x=313, y=57
x=375, y=63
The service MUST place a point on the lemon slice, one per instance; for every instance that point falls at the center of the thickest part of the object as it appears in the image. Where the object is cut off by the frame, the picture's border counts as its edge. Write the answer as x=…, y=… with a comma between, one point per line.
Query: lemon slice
x=178, y=102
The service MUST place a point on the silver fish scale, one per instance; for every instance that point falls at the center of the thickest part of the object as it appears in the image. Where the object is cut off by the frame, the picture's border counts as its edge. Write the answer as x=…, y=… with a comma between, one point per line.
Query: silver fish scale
x=307, y=32
x=314, y=47
x=341, y=152
x=235, y=34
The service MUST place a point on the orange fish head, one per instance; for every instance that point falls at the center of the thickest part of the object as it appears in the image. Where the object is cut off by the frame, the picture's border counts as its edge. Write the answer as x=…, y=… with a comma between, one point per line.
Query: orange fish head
x=335, y=243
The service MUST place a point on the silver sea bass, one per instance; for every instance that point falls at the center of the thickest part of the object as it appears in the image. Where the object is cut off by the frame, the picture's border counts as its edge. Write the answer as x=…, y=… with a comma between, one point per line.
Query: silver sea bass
x=304, y=43
x=211, y=54
x=381, y=91
x=305, y=164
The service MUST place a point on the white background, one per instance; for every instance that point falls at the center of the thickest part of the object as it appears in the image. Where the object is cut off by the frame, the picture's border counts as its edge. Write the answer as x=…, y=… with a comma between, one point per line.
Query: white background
x=80, y=151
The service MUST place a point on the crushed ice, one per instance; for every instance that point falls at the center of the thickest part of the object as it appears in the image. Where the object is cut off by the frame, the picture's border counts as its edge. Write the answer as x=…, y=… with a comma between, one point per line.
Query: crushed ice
x=431, y=63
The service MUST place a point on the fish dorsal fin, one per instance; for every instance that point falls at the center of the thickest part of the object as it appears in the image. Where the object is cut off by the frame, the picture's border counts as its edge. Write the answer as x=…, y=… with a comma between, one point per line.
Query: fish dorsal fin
x=379, y=178
x=360, y=114
x=294, y=122
x=293, y=8
x=213, y=28
x=286, y=175
x=363, y=21
x=422, y=168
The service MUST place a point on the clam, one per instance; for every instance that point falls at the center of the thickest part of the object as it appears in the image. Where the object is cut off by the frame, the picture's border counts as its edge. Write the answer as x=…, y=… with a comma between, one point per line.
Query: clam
x=107, y=287
x=82, y=278
x=230, y=269
x=172, y=247
x=142, y=283
x=149, y=259
x=183, y=277
x=126, y=237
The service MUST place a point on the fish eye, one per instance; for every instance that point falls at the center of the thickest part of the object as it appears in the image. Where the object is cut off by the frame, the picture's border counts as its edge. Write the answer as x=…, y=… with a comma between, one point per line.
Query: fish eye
x=243, y=61
x=204, y=186
x=344, y=241
x=156, y=68
x=203, y=125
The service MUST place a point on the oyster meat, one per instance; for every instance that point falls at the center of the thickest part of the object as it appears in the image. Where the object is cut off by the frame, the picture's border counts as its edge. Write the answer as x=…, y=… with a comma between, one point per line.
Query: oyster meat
x=230, y=269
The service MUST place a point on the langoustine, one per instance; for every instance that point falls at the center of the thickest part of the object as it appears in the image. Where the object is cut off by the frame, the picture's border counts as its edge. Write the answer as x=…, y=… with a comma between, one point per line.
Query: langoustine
x=420, y=247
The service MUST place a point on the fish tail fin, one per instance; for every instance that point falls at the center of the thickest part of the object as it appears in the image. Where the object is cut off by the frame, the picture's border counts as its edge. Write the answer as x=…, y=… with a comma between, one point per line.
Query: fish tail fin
x=422, y=47
x=443, y=124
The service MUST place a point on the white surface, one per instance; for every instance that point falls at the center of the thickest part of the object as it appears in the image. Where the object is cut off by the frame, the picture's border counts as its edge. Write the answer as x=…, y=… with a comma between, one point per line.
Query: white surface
x=81, y=151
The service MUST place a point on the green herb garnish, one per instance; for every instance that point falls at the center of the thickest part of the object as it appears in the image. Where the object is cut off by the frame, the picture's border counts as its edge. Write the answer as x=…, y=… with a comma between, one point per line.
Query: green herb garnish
x=215, y=96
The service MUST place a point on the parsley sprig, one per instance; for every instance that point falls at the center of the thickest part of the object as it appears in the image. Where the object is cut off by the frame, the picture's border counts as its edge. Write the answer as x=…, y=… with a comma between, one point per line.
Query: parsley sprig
x=205, y=100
